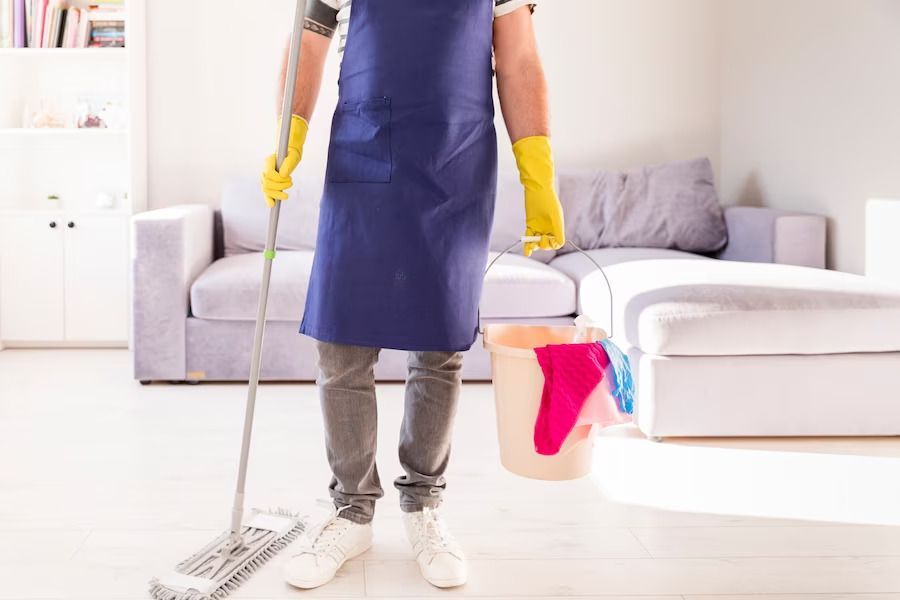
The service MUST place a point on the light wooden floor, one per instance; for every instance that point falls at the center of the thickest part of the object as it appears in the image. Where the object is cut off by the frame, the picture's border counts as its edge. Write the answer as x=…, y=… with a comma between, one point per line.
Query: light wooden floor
x=104, y=483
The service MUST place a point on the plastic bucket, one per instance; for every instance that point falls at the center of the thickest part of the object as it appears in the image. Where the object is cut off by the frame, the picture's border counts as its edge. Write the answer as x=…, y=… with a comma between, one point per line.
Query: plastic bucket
x=518, y=385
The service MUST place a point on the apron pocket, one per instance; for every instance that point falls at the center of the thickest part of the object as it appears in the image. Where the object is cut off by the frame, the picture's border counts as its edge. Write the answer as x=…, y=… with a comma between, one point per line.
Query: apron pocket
x=360, y=150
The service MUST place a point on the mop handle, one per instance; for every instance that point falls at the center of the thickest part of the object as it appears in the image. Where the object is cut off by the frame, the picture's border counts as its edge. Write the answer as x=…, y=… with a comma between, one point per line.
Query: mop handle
x=287, y=107
x=536, y=238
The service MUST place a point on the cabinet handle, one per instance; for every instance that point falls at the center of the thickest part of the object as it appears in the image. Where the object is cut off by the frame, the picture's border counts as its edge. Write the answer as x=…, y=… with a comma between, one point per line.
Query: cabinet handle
x=71, y=225
x=52, y=224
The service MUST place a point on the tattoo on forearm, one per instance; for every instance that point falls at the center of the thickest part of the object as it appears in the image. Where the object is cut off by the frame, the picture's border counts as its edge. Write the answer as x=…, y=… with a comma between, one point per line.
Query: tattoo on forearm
x=318, y=28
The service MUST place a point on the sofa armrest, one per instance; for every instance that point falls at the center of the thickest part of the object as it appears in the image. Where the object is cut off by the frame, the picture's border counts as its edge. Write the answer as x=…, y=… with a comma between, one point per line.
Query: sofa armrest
x=170, y=248
x=774, y=236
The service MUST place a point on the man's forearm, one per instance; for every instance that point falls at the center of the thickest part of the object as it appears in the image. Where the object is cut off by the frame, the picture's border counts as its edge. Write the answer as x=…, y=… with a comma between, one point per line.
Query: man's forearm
x=524, y=102
x=520, y=77
x=313, y=51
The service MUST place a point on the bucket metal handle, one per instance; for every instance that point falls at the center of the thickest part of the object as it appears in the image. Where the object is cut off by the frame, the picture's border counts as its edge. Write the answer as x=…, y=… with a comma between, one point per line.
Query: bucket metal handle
x=525, y=239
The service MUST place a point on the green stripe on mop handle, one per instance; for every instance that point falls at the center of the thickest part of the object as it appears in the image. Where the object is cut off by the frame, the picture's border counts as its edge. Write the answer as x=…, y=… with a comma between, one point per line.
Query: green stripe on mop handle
x=269, y=254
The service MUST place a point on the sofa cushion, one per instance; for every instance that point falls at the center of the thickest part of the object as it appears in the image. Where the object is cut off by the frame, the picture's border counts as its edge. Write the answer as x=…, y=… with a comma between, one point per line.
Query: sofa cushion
x=516, y=287
x=229, y=288
x=672, y=205
x=245, y=216
x=580, y=269
x=719, y=308
x=577, y=266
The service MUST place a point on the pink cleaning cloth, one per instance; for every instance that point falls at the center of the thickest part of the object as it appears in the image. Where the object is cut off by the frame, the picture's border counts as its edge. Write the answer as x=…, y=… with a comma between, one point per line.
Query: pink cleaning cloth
x=600, y=408
x=575, y=393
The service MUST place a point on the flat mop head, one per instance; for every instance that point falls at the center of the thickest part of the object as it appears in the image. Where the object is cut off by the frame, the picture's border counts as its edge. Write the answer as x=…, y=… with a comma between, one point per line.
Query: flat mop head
x=217, y=569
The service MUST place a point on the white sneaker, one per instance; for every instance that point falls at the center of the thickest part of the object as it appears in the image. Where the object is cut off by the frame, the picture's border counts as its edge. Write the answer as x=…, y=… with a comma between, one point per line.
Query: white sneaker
x=440, y=558
x=325, y=550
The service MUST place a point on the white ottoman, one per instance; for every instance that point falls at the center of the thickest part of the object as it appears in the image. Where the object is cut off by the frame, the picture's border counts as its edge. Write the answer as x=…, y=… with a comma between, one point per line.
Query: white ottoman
x=748, y=349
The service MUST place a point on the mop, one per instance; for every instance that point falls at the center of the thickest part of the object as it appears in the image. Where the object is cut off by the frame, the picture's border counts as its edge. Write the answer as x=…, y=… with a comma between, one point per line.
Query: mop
x=232, y=558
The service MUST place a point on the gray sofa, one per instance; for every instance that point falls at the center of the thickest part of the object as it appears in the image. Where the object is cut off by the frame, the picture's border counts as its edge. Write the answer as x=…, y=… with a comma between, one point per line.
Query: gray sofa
x=196, y=277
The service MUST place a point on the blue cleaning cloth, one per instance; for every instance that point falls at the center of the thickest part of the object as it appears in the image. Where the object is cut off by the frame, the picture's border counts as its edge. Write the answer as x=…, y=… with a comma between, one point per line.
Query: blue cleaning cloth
x=622, y=387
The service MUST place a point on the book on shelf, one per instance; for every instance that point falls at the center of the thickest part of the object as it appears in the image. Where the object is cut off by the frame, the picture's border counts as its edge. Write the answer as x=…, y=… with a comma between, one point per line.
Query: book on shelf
x=61, y=24
x=29, y=21
x=59, y=33
x=37, y=25
x=71, y=28
x=47, y=25
x=107, y=28
x=12, y=24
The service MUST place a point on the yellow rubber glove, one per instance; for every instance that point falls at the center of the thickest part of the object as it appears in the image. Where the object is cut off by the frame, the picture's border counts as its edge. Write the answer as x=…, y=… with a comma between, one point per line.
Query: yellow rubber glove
x=276, y=182
x=543, y=212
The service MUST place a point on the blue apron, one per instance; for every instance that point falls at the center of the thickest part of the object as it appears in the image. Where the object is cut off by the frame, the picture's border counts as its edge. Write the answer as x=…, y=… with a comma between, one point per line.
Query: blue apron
x=412, y=166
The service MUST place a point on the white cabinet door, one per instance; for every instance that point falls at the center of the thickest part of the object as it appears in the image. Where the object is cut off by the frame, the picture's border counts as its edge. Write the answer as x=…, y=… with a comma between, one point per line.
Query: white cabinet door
x=96, y=278
x=31, y=278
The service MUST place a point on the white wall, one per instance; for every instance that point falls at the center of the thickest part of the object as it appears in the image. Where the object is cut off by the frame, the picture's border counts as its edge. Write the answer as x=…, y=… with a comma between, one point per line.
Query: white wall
x=811, y=110
x=633, y=82
x=212, y=69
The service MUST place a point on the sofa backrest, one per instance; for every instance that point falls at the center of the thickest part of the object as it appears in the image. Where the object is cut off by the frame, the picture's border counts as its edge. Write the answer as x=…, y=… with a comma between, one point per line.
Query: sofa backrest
x=245, y=216
x=673, y=205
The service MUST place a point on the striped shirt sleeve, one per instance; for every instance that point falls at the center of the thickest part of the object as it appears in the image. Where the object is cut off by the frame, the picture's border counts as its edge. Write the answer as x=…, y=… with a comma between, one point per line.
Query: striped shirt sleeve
x=322, y=17
x=504, y=7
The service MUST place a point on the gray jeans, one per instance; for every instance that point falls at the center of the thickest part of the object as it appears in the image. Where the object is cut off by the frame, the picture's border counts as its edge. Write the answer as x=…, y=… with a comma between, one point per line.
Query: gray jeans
x=347, y=393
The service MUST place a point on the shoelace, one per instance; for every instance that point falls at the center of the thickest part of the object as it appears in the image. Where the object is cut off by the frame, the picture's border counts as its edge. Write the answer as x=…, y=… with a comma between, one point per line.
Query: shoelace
x=326, y=533
x=434, y=532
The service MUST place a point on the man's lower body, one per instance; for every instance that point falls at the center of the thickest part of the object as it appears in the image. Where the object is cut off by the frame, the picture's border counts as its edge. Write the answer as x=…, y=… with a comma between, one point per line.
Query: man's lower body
x=347, y=394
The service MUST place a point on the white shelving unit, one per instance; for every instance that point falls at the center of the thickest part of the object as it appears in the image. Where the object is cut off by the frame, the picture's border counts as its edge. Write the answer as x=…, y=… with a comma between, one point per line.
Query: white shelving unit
x=64, y=262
